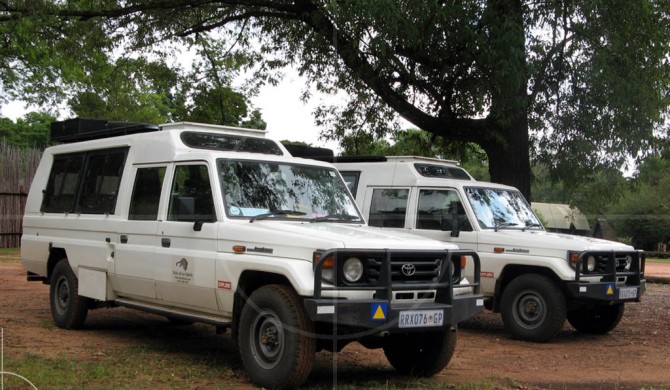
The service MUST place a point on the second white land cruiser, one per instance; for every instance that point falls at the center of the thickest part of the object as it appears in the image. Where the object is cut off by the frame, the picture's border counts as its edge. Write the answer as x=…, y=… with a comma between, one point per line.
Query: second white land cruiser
x=535, y=279
x=221, y=225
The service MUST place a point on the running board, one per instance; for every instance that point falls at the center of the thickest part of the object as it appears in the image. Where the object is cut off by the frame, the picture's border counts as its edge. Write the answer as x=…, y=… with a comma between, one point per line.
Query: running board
x=174, y=312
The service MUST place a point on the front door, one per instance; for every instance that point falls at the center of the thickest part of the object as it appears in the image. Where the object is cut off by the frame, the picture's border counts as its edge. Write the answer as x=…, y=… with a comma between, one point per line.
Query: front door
x=187, y=253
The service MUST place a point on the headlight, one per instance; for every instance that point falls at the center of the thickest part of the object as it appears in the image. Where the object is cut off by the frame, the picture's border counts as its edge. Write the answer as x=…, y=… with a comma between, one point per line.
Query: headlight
x=629, y=261
x=353, y=270
x=591, y=263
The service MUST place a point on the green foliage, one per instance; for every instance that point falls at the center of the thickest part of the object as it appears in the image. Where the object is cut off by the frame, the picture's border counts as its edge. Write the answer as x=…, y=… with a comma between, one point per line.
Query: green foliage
x=643, y=213
x=31, y=131
x=582, y=83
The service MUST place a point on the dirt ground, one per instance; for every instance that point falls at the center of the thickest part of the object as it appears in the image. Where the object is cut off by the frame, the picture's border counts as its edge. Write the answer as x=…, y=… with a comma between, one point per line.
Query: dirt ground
x=634, y=355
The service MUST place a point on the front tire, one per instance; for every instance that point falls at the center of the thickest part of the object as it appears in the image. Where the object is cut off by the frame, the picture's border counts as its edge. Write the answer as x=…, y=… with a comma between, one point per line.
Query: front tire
x=68, y=308
x=599, y=319
x=421, y=353
x=533, y=308
x=276, y=340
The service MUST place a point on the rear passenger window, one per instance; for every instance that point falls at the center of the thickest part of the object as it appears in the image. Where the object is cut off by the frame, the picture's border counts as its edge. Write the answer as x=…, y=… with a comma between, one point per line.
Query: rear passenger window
x=100, y=184
x=61, y=190
x=85, y=182
x=191, y=195
x=146, y=194
x=388, y=208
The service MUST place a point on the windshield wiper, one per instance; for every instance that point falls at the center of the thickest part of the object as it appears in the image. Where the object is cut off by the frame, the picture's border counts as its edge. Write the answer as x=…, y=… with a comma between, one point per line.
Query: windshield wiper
x=504, y=225
x=531, y=225
x=275, y=213
x=336, y=217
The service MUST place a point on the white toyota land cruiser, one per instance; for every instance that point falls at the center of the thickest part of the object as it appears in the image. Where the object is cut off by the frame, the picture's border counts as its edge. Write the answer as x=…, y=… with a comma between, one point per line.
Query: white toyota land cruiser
x=535, y=279
x=222, y=226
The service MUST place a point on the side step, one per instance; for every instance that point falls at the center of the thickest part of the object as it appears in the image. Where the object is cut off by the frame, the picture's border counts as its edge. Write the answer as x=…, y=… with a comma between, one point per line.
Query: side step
x=174, y=312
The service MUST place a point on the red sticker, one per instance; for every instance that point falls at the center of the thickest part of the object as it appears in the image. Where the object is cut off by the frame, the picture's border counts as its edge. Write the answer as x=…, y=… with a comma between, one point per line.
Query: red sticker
x=225, y=285
x=483, y=274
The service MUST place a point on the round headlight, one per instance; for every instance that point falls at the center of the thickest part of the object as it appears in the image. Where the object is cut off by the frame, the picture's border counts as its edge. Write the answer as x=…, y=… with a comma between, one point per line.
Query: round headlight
x=591, y=263
x=352, y=270
x=629, y=261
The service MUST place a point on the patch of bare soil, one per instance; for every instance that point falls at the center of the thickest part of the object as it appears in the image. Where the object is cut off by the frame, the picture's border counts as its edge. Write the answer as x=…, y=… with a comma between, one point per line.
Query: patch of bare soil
x=634, y=355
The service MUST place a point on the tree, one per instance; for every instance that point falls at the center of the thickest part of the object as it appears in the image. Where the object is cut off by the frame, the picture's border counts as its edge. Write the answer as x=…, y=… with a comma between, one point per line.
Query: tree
x=47, y=58
x=30, y=131
x=643, y=213
x=583, y=82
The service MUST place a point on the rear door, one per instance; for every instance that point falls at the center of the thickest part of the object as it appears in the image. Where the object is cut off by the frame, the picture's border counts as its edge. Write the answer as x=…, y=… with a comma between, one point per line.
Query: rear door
x=137, y=238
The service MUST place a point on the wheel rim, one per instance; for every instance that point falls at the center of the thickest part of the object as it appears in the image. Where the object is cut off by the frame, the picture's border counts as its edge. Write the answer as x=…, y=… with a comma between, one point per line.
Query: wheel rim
x=530, y=309
x=267, y=339
x=62, y=295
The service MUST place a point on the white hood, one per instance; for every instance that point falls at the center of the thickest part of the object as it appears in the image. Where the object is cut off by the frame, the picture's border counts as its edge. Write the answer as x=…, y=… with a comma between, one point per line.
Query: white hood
x=285, y=238
x=533, y=242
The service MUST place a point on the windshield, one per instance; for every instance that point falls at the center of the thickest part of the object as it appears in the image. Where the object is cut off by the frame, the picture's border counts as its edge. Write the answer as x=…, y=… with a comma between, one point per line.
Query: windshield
x=499, y=208
x=260, y=190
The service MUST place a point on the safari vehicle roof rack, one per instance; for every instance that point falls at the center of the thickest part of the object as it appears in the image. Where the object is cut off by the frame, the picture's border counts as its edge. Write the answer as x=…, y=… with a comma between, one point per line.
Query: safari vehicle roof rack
x=84, y=129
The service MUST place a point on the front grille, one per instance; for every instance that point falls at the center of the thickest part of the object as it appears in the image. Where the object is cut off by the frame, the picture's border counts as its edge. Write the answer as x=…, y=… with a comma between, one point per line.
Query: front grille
x=602, y=260
x=417, y=269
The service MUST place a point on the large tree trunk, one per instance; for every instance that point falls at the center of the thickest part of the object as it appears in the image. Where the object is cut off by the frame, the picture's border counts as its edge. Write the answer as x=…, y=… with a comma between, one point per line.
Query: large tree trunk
x=506, y=140
x=509, y=158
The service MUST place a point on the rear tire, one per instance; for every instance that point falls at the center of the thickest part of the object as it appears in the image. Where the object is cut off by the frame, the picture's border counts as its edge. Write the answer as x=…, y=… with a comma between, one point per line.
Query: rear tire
x=599, y=319
x=421, y=353
x=533, y=308
x=276, y=339
x=68, y=308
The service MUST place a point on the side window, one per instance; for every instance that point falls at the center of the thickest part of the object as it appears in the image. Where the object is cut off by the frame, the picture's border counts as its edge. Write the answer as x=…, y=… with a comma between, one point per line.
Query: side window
x=351, y=179
x=388, y=208
x=146, y=194
x=61, y=191
x=100, y=184
x=85, y=182
x=191, y=195
x=441, y=210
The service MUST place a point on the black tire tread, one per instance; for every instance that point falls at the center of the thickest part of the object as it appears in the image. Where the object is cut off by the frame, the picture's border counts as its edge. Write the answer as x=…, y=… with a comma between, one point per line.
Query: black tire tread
x=302, y=364
x=421, y=354
x=556, y=312
x=75, y=316
x=600, y=319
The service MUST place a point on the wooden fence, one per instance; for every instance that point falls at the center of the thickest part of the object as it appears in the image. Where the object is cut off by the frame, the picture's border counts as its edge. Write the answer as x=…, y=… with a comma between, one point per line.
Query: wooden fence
x=17, y=167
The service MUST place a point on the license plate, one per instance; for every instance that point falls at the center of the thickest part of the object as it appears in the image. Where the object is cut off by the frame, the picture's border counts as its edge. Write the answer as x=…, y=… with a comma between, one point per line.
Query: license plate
x=627, y=293
x=420, y=318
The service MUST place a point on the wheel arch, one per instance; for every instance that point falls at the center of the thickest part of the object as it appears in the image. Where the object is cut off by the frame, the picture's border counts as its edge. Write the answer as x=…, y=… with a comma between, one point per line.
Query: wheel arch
x=55, y=255
x=250, y=281
x=513, y=271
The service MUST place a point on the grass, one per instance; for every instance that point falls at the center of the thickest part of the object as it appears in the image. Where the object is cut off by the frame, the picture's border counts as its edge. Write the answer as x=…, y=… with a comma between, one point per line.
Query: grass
x=143, y=368
x=10, y=255
x=657, y=260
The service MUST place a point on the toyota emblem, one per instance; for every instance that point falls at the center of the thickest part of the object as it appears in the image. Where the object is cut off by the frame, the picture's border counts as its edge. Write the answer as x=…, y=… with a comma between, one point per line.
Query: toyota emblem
x=408, y=269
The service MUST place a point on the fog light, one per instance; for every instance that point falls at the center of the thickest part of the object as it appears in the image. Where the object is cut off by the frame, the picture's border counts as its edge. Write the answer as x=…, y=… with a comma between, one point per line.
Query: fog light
x=353, y=270
x=591, y=263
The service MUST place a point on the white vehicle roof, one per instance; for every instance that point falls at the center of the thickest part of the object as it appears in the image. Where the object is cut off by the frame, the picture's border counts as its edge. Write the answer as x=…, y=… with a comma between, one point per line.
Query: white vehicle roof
x=168, y=144
x=406, y=171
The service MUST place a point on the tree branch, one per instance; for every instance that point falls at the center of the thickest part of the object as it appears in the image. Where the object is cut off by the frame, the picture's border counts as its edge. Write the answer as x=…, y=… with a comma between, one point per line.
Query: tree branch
x=455, y=128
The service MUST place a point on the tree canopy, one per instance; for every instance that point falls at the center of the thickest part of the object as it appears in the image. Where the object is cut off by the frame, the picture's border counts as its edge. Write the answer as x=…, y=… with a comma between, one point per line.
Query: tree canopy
x=580, y=84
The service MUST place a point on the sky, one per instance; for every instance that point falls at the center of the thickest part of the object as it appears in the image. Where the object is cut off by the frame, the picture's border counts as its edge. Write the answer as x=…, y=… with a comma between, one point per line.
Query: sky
x=287, y=117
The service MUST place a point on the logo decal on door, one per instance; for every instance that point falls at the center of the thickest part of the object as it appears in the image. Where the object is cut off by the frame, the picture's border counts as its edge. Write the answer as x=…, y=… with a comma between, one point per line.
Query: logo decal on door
x=182, y=271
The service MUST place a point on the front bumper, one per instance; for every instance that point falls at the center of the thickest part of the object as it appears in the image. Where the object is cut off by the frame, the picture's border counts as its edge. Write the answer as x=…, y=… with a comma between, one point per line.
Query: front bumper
x=381, y=313
x=615, y=284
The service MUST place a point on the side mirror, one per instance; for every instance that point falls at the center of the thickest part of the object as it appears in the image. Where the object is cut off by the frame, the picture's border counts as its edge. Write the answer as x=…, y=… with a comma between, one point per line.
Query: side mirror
x=197, y=225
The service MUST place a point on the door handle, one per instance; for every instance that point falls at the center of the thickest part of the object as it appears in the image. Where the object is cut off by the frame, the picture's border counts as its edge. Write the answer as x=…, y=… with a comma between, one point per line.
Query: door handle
x=124, y=239
x=165, y=242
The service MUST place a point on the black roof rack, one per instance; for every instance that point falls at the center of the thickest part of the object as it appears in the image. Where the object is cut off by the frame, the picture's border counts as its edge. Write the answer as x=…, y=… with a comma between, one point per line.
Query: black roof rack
x=327, y=155
x=84, y=129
